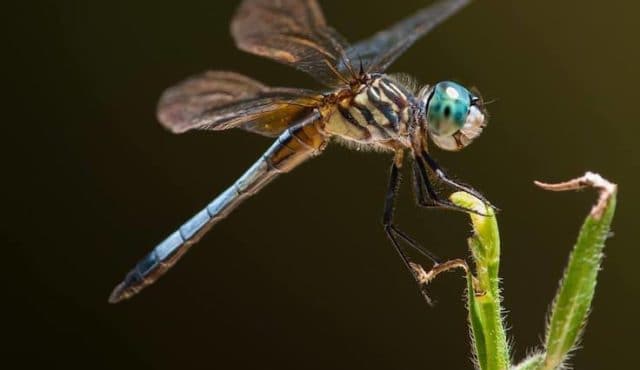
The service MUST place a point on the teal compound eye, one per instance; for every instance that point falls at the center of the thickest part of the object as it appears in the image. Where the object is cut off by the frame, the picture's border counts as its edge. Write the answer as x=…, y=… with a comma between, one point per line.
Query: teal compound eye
x=447, y=108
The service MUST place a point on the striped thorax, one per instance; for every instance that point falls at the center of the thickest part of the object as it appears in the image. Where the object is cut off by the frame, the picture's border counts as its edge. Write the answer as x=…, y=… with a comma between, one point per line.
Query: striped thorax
x=377, y=111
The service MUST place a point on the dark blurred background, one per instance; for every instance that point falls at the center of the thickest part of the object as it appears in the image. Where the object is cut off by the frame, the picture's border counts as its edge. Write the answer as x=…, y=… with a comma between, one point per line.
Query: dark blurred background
x=301, y=276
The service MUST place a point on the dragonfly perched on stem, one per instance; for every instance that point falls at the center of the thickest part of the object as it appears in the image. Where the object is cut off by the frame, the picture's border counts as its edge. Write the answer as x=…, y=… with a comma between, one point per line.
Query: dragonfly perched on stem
x=360, y=105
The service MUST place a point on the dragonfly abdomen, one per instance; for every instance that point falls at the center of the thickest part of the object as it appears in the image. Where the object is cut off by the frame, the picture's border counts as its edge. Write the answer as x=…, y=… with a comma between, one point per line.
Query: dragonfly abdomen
x=293, y=147
x=378, y=112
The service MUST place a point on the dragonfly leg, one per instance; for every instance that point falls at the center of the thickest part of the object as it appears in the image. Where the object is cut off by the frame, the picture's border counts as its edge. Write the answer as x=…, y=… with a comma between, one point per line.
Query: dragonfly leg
x=426, y=196
x=430, y=198
x=442, y=175
x=396, y=235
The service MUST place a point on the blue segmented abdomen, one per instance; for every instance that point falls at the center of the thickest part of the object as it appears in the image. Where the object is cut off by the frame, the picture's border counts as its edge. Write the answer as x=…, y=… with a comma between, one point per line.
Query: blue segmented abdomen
x=293, y=147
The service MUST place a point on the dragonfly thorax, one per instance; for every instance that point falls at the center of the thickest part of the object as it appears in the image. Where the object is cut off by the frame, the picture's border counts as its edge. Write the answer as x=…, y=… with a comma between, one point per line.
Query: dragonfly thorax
x=376, y=112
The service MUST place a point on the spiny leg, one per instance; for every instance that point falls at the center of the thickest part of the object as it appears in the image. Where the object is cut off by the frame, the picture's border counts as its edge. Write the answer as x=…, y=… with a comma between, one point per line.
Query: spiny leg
x=426, y=196
x=392, y=191
x=423, y=199
x=442, y=175
x=394, y=233
x=431, y=199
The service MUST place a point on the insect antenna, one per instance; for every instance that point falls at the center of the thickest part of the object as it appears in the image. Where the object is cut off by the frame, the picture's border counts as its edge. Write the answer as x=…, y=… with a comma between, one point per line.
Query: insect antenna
x=494, y=100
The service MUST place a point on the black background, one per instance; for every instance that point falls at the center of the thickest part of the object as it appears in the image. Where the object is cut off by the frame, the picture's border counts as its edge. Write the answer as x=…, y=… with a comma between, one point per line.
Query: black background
x=301, y=276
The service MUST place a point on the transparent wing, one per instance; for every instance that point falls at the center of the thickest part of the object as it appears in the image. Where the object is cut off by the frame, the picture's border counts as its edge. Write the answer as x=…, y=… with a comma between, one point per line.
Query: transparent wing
x=293, y=32
x=221, y=100
x=378, y=52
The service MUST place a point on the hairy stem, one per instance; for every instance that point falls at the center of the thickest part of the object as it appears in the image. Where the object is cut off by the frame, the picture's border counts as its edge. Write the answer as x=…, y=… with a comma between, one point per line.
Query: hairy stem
x=573, y=299
x=485, y=313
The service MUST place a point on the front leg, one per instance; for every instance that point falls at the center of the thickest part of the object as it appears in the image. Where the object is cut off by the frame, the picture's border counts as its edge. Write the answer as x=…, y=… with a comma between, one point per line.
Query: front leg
x=441, y=174
x=426, y=196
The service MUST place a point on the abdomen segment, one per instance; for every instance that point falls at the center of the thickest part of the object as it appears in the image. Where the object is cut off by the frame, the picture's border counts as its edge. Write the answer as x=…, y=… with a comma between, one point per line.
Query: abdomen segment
x=294, y=146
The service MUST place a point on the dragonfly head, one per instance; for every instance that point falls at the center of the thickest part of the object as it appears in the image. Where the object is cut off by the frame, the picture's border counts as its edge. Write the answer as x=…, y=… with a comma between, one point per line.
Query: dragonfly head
x=453, y=115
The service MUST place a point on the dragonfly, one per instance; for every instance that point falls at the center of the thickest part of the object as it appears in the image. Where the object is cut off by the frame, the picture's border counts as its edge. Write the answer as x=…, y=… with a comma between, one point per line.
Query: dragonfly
x=359, y=104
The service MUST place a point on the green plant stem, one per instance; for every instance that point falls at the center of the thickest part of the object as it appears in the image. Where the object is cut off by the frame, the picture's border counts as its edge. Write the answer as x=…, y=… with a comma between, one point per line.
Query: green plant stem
x=532, y=362
x=573, y=299
x=485, y=313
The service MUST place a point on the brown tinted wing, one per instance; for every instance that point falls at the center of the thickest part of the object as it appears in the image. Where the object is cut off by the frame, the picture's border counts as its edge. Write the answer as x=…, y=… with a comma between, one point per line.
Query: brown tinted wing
x=222, y=100
x=293, y=32
x=378, y=52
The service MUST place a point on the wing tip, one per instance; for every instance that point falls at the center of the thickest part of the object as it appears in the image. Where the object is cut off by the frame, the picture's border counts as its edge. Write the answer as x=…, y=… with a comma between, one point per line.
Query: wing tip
x=172, y=115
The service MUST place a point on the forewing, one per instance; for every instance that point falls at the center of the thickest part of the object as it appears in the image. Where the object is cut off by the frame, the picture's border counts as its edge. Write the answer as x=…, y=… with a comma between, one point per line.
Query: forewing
x=221, y=100
x=378, y=52
x=293, y=32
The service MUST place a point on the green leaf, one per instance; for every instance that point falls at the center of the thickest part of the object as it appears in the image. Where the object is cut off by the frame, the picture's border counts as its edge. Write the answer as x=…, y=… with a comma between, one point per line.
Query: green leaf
x=573, y=299
x=485, y=314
